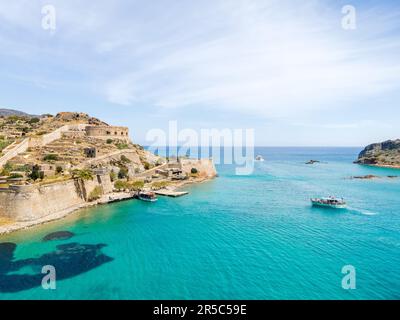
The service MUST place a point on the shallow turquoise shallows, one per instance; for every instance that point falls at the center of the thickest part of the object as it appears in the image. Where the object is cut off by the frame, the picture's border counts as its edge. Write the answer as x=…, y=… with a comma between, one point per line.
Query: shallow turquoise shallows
x=236, y=237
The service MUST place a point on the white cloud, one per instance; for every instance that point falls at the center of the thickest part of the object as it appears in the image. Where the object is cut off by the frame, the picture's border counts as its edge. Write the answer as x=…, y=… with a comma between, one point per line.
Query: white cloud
x=269, y=58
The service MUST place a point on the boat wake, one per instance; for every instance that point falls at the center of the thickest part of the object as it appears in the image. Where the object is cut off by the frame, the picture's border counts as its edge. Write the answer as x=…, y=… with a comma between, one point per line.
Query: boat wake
x=361, y=211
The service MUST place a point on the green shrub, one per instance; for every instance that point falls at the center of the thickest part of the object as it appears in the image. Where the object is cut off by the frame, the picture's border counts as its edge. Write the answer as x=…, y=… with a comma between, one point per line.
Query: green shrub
x=59, y=169
x=159, y=185
x=121, y=185
x=13, y=119
x=132, y=186
x=7, y=168
x=96, y=193
x=136, y=185
x=113, y=176
x=122, y=145
x=84, y=174
x=125, y=159
x=16, y=175
x=36, y=173
x=34, y=120
x=109, y=141
x=147, y=166
x=4, y=144
x=123, y=172
x=50, y=157
x=194, y=171
x=23, y=168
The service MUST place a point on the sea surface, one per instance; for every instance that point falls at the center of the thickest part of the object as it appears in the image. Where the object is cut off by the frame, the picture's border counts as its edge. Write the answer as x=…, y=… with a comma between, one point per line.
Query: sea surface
x=236, y=237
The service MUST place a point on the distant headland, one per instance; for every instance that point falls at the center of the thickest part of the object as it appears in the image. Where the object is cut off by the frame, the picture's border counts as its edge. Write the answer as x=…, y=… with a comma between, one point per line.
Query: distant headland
x=51, y=166
x=384, y=154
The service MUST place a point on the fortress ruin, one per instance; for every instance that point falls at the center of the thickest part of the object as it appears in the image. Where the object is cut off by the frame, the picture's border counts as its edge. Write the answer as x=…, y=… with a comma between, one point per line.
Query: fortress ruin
x=108, y=132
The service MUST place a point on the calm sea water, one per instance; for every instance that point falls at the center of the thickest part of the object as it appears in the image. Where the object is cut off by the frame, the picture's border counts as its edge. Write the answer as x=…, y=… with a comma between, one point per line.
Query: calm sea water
x=237, y=237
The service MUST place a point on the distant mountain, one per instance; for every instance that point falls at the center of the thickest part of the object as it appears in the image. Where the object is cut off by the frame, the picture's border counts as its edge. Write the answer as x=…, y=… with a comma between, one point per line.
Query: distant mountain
x=385, y=154
x=11, y=112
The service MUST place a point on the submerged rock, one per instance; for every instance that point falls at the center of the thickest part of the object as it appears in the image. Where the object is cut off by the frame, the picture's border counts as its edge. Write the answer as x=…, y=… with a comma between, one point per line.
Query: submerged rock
x=312, y=161
x=70, y=260
x=367, y=177
x=59, y=235
x=371, y=176
x=7, y=250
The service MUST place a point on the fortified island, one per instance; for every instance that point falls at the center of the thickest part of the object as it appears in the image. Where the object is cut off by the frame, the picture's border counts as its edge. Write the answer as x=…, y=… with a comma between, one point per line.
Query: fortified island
x=51, y=166
x=384, y=154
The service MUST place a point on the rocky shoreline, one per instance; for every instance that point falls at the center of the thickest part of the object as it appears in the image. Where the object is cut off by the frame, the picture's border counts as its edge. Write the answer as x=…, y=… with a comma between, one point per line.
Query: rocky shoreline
x=384, y=155
x=104, y=200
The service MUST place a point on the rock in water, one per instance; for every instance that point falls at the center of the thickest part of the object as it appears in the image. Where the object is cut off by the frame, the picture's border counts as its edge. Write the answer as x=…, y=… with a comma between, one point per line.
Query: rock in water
x=59, y=235
x=312, y=161
x=367, y=177
x=381, y=154
x=7, y=250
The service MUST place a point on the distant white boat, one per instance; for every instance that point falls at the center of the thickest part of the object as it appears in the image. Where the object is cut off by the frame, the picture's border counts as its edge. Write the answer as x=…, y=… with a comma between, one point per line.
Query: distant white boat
x=330, y=202
x=260, y=158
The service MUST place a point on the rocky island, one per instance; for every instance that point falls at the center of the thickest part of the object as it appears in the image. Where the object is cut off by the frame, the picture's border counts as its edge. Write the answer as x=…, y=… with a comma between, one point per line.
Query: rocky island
x=384, y=154
x=51, y=166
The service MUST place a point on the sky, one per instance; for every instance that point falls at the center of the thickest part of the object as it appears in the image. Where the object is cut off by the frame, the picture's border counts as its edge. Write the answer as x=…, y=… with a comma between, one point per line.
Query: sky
x=287, y=69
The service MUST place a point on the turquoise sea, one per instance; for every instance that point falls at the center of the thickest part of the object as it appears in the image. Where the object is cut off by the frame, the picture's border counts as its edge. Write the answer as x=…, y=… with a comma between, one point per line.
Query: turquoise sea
x=236, y=237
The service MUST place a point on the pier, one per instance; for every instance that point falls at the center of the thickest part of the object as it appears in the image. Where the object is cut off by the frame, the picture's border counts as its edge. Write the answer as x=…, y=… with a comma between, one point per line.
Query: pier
x=116, y=197
x=170, y=193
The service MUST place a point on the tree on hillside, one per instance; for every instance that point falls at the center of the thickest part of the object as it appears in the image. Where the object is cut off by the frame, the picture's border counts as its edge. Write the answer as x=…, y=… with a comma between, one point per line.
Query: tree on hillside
x=84, y=174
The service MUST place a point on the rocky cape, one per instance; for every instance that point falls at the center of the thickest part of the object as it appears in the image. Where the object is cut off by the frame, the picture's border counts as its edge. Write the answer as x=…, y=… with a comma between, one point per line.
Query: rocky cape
x=384, y=154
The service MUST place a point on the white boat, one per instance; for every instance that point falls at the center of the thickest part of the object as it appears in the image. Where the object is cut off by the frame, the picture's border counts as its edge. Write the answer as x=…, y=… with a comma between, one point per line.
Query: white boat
x=147, y=196
x=330, y=202
x=260, y=158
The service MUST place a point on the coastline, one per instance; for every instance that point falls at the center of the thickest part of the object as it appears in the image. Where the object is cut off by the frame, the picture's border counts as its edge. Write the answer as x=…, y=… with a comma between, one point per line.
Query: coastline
x=104, y=200
x=387, y=166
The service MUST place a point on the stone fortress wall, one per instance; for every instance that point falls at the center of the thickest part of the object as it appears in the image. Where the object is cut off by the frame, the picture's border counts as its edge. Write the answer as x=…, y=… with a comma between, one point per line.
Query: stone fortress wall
x=33, y=202
x=205, y=167
x=108, y=132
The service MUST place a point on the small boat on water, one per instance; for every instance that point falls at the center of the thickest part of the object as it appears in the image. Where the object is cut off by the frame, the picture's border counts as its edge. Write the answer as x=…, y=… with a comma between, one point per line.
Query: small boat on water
x=147, y=196
x=260, y=158
x=330, y=202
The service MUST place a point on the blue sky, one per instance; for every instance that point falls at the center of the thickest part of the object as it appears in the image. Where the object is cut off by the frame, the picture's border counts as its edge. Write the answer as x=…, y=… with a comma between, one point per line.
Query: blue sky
x=285, y=68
